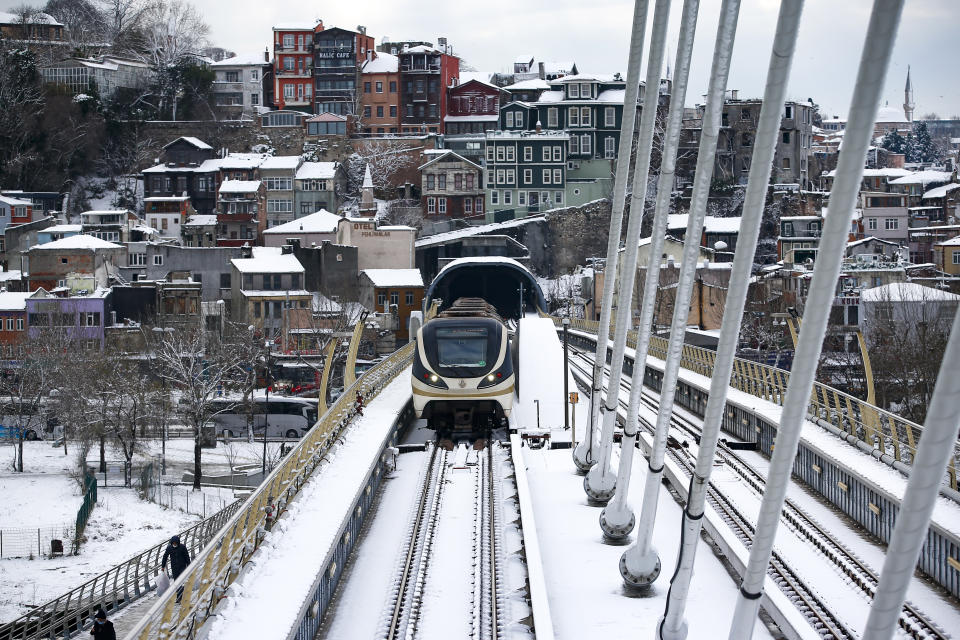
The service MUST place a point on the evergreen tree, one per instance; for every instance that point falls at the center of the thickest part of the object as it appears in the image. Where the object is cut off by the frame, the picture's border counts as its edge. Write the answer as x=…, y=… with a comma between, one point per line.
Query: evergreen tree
x=910, y=148
x=894, y=142
x=923, y=147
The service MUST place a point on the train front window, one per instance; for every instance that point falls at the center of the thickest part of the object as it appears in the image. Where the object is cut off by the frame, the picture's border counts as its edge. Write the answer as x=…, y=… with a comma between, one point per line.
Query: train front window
x=462, y=346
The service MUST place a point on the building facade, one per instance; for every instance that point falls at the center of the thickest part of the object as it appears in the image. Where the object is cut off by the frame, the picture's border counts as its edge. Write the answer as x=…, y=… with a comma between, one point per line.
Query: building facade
x=425, y=74
x=380, y=95
x=525, y=173
x=277, y=174
x=451, y=187
x=337, y=57
x=293, y=66
x=238, y=86
x=472, y=108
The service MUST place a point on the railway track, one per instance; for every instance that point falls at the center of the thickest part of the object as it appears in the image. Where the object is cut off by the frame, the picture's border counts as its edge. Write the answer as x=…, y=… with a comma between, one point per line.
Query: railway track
x=405, y=608
x=912, y=621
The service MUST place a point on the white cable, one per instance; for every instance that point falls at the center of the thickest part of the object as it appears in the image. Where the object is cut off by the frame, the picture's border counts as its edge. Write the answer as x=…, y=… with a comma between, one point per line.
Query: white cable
x=601, y=482
x=583, y=454
x=673, y=626
x=874, y=61
x=929, y=465
x=640, y=564
x=617, y=519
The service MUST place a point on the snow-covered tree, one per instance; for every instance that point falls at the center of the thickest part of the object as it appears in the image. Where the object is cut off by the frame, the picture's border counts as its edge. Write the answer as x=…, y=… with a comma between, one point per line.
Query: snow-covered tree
x=894, y=142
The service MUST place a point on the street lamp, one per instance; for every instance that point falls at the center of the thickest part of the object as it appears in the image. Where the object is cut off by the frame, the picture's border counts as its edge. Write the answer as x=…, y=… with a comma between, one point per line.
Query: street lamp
x=163, y=427
x=266, y=407
x=566, y=374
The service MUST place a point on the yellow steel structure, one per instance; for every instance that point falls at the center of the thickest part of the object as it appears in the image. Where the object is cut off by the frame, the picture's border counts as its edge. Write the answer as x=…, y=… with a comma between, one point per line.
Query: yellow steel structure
x=207, y=578
x=350, y=368
x=884, y=431
x=325, y=378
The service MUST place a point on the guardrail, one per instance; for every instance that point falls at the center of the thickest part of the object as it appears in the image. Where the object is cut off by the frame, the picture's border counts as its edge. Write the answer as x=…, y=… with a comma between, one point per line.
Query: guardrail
x=216, y=567
x=112, y=589
x=884, y=432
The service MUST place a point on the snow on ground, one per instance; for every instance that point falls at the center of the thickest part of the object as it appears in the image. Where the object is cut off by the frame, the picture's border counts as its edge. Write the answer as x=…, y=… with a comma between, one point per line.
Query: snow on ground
x=120, y=526
x=265, y=600
x=21, y=494
x=587, y=598
x=540, y=376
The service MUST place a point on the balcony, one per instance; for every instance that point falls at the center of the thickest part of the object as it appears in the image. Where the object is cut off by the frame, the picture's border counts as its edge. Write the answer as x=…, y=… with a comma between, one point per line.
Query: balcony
x=306, y=47
x=293, y=73
x=235, y=217
x=419, y=68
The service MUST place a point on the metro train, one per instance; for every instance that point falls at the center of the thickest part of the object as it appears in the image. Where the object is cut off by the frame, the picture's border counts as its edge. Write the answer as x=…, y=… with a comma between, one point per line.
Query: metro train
x=463, y=371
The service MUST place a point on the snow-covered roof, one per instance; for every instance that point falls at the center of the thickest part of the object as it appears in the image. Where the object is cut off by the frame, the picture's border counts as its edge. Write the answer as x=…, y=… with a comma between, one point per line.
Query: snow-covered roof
x=243, y=60
x=242, y=161
x=616, y=96
x=196, y=142
x=268, y=262
x=483, y=118
x=906, y=292
x=280, y=162
x=449, y=236
x=383, y=63
x=711, y=224
x=63, y=228
x=320, y=222
x=201, y=220
x=952, y=242
x=78, y=242
x=923, y=177
x=394, y=277
x=239, y=186
x=422, y=49
x=941, y=192
x=482, y=76
x=14, y=300
x=891, y=114
x=442, y=153
x=15, y=202
x=524, y=59
x=317, y=171
x=582, y=77
x=10, y=274
x=551, y=96
x=888, y=172
x=37, y=17
x=294, y=26
x=484, y=260
x=528, y=85
x=856, y=243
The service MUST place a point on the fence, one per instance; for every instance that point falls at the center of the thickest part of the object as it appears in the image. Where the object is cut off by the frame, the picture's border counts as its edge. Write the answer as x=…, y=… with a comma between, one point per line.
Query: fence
x=888, y=434
x=200, y=503
x=112, y=589
x=37, y=542
x=83, y=514
x=207, y=578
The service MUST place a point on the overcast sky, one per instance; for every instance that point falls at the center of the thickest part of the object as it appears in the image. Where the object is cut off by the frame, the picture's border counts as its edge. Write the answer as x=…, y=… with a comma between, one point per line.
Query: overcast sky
x=490, y=34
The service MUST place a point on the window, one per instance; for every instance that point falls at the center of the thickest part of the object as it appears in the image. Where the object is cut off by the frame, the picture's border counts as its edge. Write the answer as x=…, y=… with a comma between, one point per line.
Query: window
x=224, y=280
x=527, y=176
x=490, y=154
x=546, y=154
x=379, y=87
x=366, y=111
x=379, y=112
x=254, y=99
x=871, y=224
x=20, y=322
x=279, y=206
x=509, y=118
x=393, y=111
x=91, y=319
x=441, y=205
x=552, y=119
x=408, y=298
x=511, y=154
x=469, y=180
x=609, y=147
x=508, y=197
x=546, y=176
x=788, y=112
x=494, y=197
x=501, y=176
x=137, y=259
x=431, y=181
x=288, y=41
x=468, y=205
x=573, y=90
x=746, y=140
x=431, y=205
x=585, y=91
x=585, y=147
x=366, y=87
x=501, y=154
x=891, y=224
x=558, y=154
x=519, y=116
x=585, y=117
x=393, y=86
x=511, y=176
x=574, y=144
x=558, y=176
x=786, y=163
x=574, y=115
x=157, y=260
x=479, y=204
x=9, y=324
x=956, y=257
x=521, y=197
x=558, y=197
x=609, y=117
x=745, y=114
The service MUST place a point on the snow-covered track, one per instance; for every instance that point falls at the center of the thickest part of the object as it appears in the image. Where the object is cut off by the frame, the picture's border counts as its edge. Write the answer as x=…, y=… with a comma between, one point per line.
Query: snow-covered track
x=486, y=585
x=404, y=605
x=827, y=624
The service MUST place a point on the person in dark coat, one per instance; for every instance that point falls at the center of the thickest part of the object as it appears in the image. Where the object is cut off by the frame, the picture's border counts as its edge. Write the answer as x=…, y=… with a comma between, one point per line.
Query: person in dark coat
x=102, y=628
x=179, y=558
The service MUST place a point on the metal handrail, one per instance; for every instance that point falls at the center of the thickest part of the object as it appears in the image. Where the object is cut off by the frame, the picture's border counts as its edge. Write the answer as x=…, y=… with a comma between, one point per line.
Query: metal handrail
x=207, y=578
x=886, y=432
x=112, y=589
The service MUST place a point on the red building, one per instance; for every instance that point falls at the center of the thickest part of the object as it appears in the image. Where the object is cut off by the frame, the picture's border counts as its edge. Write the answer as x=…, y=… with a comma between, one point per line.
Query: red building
x=472, y=107
x=380, y=95
x=13, y=323
x=451, y=187
x=426, y=73
x=293, y=66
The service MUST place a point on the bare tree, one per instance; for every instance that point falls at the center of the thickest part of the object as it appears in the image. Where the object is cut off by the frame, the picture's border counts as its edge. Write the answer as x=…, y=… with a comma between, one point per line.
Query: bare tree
x=131, y=402
x=21, y=103
x=85, y=24
x=197, y=370
x=124, y=21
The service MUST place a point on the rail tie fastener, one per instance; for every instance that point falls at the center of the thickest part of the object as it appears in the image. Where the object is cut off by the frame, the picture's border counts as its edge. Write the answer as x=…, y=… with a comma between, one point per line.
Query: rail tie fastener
x=912, y=620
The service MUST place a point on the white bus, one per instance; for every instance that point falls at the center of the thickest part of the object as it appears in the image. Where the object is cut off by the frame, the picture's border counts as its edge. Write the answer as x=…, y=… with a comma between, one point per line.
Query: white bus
x=285, y=417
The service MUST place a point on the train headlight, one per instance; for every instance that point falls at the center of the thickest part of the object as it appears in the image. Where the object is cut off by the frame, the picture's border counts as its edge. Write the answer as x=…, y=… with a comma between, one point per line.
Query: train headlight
x=491, y=378
x=496, y=377
x=434, y=378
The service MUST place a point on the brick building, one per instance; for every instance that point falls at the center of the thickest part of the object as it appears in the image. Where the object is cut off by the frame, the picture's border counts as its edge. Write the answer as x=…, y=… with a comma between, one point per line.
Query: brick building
x=50, y=264
x=398, y=291
x=338, y=55
x=472, y=107
x=13, y=322
x=380, y=95
x=425, y=74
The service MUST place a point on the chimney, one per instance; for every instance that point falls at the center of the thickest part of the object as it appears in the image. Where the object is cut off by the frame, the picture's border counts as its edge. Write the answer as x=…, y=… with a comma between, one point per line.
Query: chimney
x=542, y=72
x=286, y=250
x=539, y=129
x=734, y=93
x=266, y=55
x=246, y=251
x=442, y=44
x=362, y=30
x=113, y=318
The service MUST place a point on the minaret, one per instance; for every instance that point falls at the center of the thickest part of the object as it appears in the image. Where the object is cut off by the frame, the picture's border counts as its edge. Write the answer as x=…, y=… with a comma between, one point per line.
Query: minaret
x=367, y=203
x=908, y=98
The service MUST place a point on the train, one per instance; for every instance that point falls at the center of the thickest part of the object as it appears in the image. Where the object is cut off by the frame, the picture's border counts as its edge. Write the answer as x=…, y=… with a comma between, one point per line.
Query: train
x=463, y=374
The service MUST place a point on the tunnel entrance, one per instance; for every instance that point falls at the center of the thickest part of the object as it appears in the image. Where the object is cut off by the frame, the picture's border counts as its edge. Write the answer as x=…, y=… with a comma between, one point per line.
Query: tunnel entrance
x=504, y=283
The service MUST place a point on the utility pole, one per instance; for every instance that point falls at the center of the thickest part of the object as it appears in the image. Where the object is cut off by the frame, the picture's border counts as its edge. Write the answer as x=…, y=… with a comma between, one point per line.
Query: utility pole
x=566, y=375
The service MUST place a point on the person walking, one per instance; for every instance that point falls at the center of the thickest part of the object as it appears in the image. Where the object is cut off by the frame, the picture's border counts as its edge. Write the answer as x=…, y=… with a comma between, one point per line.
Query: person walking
x=179, y=558
x=102, y=628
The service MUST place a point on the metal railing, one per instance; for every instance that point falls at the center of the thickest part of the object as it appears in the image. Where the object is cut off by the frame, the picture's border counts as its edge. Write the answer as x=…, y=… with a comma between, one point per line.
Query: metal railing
x=886, y=433
x=112, y=589
x=206, y=579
